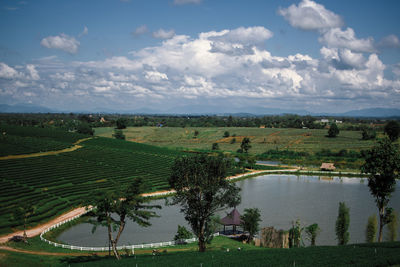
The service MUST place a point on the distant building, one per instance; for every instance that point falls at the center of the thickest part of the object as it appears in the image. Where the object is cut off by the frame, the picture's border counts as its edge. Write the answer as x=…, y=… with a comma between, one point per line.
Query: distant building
x=327, y=167
x=262, y=126
x=103, y=120
x=324, y=120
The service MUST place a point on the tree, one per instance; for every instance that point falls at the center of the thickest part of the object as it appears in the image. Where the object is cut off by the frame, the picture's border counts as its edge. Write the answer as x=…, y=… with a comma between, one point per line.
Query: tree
x=22, y=213
x=391, y=234
x=382, y=164
x=121, y=123
x=342, y=224
x=118, y=134
x=113, y=208
x=182, y=234
x=371, y=229
x=251, y=221
x=368, y=134
x=215, y=146
x=226, y=134
x=295, y=234
x=312, y=231
x=202, y=190
x=84, y=128
x=392, y=129
x=245, y=145
x=333, y=130
x=233, y=140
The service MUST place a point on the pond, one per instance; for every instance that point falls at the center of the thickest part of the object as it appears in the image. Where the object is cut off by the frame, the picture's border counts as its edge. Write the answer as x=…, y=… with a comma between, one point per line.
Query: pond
x=280, y=198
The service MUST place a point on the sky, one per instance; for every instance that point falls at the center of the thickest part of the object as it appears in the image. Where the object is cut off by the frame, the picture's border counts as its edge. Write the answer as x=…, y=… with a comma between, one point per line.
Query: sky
x=208, y=55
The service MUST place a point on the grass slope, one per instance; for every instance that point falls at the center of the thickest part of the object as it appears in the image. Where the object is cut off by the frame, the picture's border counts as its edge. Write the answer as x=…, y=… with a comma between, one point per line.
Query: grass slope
x=58, y=183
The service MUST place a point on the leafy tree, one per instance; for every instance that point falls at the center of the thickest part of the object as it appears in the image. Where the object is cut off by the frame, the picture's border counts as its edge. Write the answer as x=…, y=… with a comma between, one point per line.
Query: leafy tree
x=368, y=134
x=391, y=234
x=333, y=130
x=215, y=146
x=202, y=190
x=113, y=208
x=372, y=228
x=382, y=164
x=245, y=145
x=312, y=231
x=121, y=123
x=251, y=221
x=22, y=213
x=233, y=140
x=196, y=133
x=295, y=234
x=182, y=234
x=392, y=129
x=226, y=134
x=84, y=128
x=118, y=134
x=342, y=224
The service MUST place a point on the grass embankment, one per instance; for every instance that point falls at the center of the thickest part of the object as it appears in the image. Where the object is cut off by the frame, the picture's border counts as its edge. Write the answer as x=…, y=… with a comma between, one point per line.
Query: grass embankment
x=384, y=254
x=309, y=146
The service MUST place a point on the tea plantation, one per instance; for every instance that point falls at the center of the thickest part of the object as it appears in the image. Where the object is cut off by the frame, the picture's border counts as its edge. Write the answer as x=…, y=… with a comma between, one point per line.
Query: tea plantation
x=57, y=183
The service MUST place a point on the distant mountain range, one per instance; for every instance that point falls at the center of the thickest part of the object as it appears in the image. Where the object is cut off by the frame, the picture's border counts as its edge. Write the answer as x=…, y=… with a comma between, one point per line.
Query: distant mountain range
x=208, y=110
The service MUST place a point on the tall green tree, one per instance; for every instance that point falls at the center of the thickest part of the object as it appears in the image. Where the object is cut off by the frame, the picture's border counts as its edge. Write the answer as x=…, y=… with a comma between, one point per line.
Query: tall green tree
x=391, y=234
x=22, y=213
x=382, y=164
x=333, y=130
x=245, y=145
x=392, y=129
x=121, y=123
x=251, y=221
x=342, y=224
x=312, y=232
x=372, y=228
x=202, y=190
x=118, y=134
x=113, y=208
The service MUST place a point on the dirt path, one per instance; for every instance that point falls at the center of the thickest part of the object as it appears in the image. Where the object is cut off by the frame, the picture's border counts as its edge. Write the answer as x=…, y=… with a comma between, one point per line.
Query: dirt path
x=47, y=153
x=42, y=252
x=40, y=228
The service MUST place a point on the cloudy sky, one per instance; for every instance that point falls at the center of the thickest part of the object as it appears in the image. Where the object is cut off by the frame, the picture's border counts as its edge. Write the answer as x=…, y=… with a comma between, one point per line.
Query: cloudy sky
x=168, y=55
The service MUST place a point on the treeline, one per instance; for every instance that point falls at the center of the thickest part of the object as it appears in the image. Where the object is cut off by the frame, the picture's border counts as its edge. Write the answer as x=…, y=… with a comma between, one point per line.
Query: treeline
x=71, y=121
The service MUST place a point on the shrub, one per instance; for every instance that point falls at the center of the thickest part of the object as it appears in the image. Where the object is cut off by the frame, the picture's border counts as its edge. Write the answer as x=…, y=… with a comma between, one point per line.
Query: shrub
x=342, y=224
x=372, y=227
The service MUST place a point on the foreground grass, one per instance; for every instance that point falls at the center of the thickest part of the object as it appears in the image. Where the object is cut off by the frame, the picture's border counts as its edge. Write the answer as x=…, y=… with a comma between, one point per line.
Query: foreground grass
x=383, y=254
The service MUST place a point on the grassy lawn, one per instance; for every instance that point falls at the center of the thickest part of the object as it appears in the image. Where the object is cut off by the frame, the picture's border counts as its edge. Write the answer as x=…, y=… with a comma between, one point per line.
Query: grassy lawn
x=308, y=140
x=384, y=254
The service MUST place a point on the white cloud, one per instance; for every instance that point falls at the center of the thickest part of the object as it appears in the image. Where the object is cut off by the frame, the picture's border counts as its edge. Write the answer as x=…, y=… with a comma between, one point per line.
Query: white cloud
x=84, y=32
x=155, y=76
x=7, y=72
x=309, y=15
x=140, y=30
x=62, y=42
x=185, y=2
x=163, y=34
x=338, y=38
x=33, y=73
x=390, y=41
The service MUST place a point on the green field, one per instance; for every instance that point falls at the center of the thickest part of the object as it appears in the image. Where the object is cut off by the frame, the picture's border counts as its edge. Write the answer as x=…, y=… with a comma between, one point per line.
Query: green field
x=374, y=254
x=308, y=140
x=58, y=183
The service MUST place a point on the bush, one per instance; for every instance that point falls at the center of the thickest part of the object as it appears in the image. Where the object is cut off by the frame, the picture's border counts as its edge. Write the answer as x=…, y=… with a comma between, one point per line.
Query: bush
x=342, y=224
x=333, y=130
x=182, y=234
x=84, y=128
x=391, y=234
x=226, y=134
x=372, y=227
x=215, y=146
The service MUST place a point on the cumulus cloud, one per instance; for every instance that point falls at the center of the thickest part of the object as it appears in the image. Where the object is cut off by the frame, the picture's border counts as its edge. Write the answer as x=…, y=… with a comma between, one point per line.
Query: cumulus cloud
x=7, y=72
x=390, y=41
x=163, y=34
x=61, y=42
x=140, y=30
x=346, y=39
x=33, y=73
x=185, y=2
x=309, y=15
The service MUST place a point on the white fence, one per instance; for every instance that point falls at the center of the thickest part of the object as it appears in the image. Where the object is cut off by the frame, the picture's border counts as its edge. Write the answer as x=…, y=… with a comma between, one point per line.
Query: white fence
x=151, y=245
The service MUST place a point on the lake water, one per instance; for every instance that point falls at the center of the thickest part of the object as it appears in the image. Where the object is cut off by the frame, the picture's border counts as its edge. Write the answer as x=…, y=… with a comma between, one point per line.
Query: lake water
x=280, y=198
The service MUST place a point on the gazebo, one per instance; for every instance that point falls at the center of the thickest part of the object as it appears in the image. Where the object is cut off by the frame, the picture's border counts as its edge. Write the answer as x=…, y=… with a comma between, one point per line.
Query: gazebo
x=232, y=219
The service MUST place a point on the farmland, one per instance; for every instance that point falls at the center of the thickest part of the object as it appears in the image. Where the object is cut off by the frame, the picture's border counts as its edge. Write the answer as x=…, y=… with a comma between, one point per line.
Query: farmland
x=57, y=183
x=262, y=139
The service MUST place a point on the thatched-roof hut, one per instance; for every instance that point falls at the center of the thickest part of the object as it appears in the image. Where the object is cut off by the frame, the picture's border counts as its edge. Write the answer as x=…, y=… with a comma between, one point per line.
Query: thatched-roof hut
x=327, y=167
x=232, y=219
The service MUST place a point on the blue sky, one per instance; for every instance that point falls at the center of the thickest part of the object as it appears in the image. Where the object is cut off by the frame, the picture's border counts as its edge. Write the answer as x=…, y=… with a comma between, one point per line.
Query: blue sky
x=321, y=56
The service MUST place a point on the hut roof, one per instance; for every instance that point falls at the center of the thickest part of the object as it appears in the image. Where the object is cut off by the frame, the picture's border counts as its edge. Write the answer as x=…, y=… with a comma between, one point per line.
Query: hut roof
x=327, y=166
x=233, y=218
